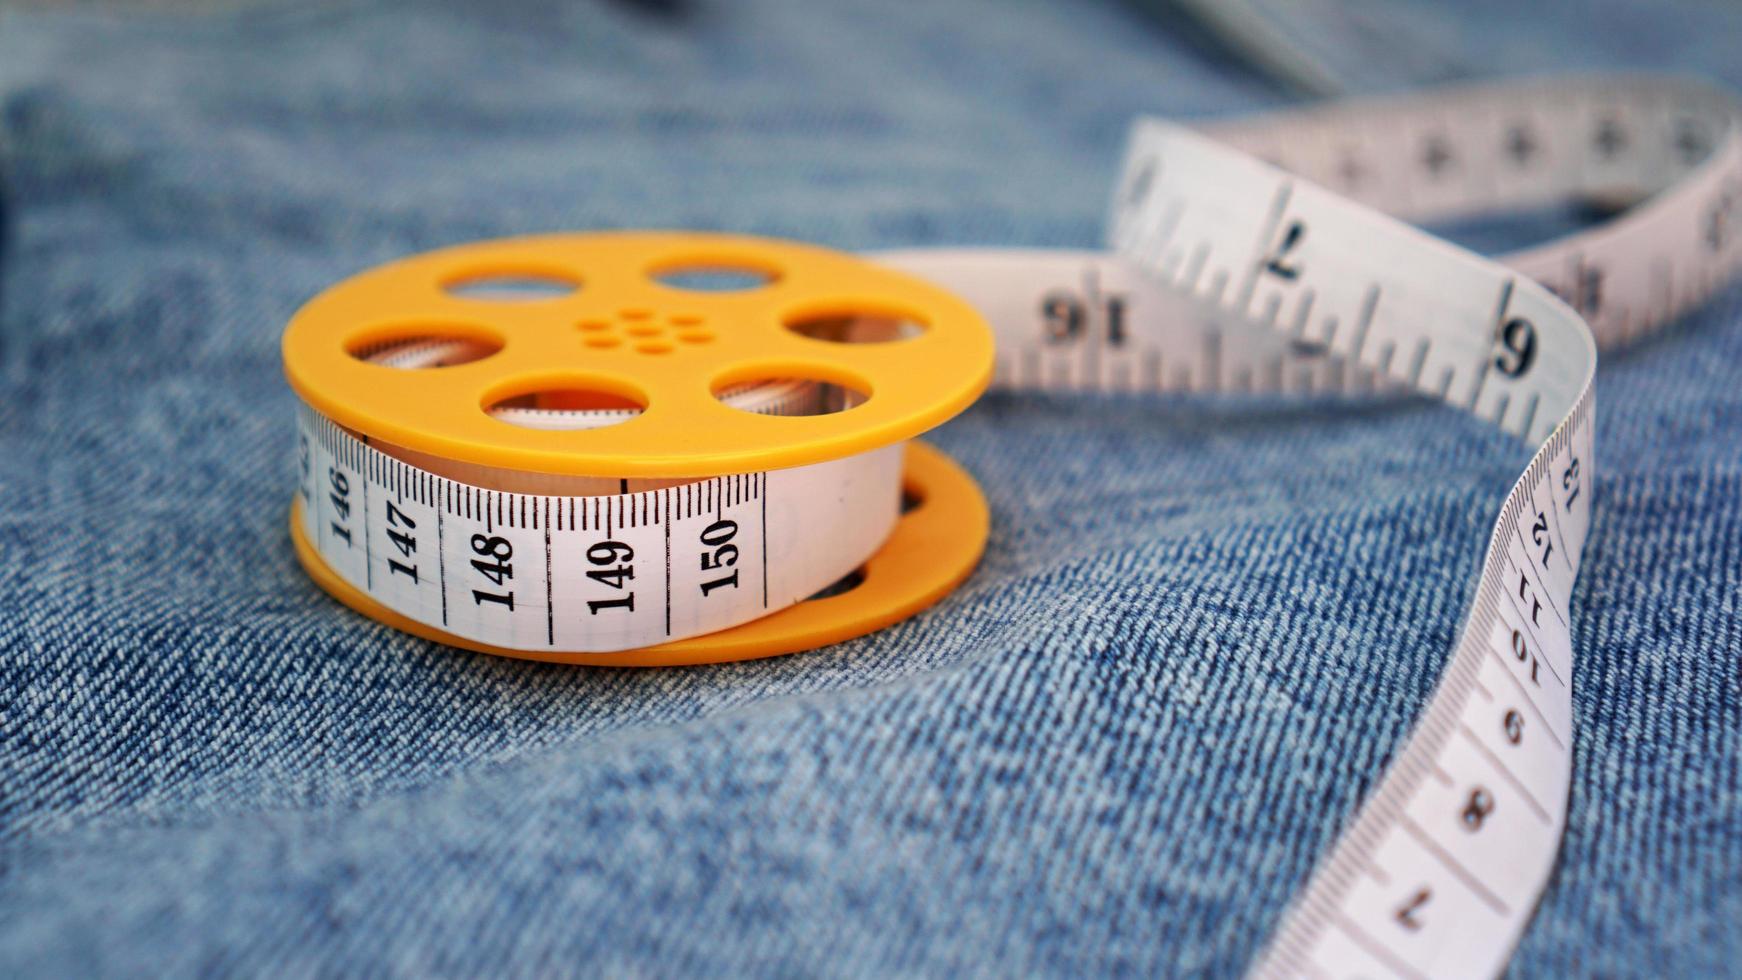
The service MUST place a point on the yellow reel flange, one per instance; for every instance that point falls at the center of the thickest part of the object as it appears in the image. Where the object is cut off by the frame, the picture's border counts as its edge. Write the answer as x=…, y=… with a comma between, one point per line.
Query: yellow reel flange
x=682, y=429
x=623, y=331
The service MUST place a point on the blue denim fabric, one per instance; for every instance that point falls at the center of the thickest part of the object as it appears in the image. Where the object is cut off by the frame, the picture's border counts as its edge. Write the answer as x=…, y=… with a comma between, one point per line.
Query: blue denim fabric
x=1198, y=632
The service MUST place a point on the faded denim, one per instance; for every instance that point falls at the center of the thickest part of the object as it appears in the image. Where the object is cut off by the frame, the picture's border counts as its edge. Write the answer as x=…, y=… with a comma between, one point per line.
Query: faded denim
x=1199, y=630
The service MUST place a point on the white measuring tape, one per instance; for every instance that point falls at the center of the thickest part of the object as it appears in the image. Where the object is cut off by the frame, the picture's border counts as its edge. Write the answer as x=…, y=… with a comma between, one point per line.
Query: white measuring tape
x=1233, y=268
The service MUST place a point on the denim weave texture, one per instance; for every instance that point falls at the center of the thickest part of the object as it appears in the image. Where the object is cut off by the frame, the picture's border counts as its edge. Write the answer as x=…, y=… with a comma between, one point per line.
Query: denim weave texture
x=1200, y=629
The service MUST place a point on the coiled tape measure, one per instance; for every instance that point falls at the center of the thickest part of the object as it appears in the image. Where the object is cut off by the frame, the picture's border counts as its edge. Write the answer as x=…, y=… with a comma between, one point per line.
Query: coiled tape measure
x=632, y=473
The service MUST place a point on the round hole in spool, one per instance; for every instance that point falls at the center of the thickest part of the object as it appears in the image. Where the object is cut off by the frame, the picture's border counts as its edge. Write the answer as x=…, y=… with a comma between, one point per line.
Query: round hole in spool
x=849, y=326
x=565, y=407
x=790, y=394
x=707, y=277
x=840, y=586
x=912, y=499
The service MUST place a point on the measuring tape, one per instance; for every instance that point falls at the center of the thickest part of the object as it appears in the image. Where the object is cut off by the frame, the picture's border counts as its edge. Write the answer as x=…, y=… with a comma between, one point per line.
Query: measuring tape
x=638, y=473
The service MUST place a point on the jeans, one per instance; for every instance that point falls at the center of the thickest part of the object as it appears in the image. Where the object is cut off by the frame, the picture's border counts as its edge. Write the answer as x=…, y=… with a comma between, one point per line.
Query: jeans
x=1200, y=628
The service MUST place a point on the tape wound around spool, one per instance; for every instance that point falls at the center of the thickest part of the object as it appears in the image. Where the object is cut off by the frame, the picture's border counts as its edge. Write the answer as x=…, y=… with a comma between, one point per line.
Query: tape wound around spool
x=927, y=554
x=618, y=473
x=1234, y=268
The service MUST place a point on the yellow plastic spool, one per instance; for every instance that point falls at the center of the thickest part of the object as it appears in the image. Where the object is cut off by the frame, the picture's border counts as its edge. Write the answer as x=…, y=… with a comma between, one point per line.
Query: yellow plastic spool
x=623, y=331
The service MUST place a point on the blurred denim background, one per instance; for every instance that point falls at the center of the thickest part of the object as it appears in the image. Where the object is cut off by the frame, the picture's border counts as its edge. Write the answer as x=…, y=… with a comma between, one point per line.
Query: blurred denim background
x=1199, y=630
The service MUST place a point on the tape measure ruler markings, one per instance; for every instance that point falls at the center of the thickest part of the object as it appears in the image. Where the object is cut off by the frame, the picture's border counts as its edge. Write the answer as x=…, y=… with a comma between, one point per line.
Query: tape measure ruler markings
x=1442, y=868
x=1229, y=273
